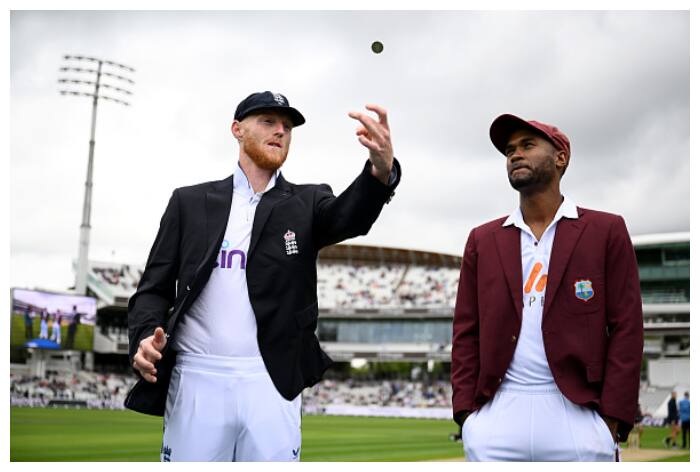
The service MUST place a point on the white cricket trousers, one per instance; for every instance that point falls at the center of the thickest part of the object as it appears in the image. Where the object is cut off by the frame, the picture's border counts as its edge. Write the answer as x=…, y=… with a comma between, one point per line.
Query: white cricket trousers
x=536, y=424
x=228, y=409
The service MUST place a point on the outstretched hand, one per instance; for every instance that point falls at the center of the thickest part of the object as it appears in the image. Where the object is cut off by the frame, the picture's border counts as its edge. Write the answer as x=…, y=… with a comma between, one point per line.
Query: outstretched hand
x=375, y=136
x=149, y=353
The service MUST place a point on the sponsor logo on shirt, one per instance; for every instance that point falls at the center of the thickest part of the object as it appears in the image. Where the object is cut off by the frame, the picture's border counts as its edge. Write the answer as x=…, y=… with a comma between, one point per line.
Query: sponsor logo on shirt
x=536, y=284
x=226, y=258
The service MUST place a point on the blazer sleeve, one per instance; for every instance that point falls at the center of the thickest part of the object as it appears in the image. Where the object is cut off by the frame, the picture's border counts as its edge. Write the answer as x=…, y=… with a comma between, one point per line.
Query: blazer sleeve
x=155, y=294
x=353, y=212
x=620, y=393
x=465, y=334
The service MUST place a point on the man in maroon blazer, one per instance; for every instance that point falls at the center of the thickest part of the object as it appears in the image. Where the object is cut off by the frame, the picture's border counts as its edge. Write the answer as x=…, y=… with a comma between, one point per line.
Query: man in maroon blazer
x=552, y=377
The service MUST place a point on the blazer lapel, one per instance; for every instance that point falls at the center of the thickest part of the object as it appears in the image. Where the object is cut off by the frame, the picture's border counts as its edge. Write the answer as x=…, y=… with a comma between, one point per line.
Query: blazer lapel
x=218, y=208
x=281, y=191
x=565, y=239
x=508, y=245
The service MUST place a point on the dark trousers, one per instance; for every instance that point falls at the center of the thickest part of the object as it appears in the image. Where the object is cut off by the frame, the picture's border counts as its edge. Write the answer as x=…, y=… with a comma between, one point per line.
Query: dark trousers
x=71, y=337
x=685, y=431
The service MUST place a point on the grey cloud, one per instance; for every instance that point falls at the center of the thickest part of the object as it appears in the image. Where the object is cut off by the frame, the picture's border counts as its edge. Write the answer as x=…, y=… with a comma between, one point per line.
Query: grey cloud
x=616, y=82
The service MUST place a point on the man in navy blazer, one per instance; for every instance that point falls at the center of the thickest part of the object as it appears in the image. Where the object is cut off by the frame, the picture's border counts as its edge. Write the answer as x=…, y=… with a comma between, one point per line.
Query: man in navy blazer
x=222, y=325
x=548, y=332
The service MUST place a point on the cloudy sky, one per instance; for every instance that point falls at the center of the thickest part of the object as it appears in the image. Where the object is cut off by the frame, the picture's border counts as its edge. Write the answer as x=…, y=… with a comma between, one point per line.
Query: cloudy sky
x=616, y=82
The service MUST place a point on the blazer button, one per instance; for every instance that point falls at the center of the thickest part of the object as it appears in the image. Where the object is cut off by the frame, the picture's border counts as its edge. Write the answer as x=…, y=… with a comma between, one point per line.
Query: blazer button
x=513, y=338
x=188, y=288
x=500, y=380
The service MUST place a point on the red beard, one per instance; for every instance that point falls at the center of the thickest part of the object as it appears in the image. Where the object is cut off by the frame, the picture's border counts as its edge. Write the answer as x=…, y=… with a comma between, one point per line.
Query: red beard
x=264, y=156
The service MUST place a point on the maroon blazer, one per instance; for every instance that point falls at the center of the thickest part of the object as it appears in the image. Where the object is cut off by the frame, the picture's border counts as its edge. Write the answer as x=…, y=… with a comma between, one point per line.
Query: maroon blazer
x=594, y=347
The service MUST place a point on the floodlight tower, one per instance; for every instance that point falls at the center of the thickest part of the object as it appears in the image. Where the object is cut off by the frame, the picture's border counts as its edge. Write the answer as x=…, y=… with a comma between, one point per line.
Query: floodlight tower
x=93, y=77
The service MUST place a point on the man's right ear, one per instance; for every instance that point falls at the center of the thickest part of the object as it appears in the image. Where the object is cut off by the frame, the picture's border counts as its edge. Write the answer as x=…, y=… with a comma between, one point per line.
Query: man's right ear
x=236, y=129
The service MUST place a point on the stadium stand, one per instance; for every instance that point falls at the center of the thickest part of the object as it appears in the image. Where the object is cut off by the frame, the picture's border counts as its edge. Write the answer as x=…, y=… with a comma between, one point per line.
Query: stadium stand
x=83, y=388
x=386, y=304
x=358, y=286
x=107, y=391
x=385, y=286
x=391, y=393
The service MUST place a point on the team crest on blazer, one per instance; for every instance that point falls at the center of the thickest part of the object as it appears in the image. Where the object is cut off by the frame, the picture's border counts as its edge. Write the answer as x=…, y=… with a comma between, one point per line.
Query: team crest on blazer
x=290, y=242
x=583, y=289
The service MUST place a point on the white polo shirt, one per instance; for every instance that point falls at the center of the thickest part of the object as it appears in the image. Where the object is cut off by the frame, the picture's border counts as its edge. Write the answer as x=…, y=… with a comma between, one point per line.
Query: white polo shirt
x=529, y=365
x=221, y=321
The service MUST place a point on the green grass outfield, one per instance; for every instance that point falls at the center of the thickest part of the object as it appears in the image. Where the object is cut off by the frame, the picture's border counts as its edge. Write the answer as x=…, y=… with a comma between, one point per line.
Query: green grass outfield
x=44, y=434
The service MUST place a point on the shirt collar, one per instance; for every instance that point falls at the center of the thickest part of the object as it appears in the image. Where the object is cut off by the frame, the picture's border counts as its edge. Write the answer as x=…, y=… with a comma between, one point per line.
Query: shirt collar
x=243, y=187
x=567, y=209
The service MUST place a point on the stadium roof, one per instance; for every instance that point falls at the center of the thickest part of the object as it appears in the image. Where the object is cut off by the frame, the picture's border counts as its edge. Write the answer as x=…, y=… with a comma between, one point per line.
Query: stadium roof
x=355, y=253
x=660, y=238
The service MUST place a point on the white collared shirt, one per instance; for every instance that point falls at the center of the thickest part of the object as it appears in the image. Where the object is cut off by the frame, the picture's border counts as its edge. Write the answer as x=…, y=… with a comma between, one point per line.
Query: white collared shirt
x=529, y=365
x=221, y=322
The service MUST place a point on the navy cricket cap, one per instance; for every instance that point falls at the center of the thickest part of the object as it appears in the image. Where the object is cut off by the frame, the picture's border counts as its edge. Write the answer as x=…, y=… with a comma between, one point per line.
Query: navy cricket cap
x=261, y=101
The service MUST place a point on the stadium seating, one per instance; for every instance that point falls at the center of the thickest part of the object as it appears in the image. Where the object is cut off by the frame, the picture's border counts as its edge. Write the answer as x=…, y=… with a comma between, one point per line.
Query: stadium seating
x=119, y=280
x=395, y=393
x=339, y=285
x=388, y=285
x=103, y=391
x=107, y=391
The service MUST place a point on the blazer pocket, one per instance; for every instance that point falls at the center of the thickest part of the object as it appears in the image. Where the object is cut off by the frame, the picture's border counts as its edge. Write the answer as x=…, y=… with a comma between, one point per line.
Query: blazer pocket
x=306, y=317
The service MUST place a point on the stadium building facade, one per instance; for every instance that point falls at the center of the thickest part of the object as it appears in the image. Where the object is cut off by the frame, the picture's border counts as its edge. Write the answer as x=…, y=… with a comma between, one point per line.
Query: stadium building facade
x=382, y=304
x=387, y=308
x=395, y=304
x=664, y=272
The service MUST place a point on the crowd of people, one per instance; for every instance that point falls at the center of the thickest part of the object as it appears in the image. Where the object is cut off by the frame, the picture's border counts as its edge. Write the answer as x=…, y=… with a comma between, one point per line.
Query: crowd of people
x=350, y=285
x=343, y=285
x=387, y=393
x=102, y=391
x=122, y=277
x=107, y=391
x=361, y=286
x=387, y=285
x=428, y=287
